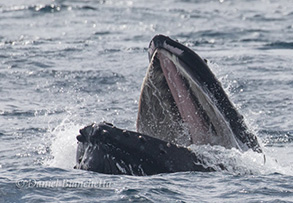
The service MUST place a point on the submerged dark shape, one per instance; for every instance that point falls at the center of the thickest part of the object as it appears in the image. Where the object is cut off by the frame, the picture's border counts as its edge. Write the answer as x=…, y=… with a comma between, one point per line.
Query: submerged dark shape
x=181, y=103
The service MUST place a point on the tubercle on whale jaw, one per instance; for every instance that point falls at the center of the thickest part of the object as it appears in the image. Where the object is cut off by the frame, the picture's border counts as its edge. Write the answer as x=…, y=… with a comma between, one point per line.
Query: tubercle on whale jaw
x=89, y=133
x=80, y=138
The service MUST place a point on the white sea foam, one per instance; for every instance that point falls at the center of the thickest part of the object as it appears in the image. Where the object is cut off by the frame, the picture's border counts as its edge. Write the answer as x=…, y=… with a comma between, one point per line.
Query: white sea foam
x=64, y=145
x=248, y=162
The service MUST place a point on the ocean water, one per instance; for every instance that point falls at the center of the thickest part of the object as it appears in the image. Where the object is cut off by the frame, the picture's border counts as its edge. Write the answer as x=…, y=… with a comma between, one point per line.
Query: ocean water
x=65, y=64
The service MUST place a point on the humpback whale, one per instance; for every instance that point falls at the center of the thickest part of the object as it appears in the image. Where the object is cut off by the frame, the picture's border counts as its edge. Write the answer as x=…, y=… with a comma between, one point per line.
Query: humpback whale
x=181, y=103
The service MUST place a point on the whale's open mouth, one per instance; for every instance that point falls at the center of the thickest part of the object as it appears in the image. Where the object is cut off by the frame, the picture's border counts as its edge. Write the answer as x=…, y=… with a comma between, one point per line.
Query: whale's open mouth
x=182, y=101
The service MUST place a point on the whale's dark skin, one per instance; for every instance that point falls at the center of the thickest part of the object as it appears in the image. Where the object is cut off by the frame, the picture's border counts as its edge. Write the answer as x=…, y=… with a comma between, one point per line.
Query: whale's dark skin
x=181, y=103
x=106, y=149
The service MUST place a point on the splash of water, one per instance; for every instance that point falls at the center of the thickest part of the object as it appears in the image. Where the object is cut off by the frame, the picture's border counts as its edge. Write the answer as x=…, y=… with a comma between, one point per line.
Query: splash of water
x=241, y=163
x=64, y=144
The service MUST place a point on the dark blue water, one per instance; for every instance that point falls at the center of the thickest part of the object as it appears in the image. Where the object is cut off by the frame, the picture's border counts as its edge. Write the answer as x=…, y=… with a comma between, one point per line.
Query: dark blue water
x=65, y=64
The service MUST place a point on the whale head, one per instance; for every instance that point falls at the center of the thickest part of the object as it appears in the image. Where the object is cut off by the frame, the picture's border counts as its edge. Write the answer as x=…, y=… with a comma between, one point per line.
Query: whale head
x=182, y=101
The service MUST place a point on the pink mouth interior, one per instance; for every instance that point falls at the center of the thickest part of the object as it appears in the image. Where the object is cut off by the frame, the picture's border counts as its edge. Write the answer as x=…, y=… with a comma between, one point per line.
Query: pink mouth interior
x=188, y=110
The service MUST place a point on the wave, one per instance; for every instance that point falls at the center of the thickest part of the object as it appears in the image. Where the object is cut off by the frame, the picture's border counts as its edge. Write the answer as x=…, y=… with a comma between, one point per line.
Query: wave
x=276, y=138
x=47, y=8
x=278, y=45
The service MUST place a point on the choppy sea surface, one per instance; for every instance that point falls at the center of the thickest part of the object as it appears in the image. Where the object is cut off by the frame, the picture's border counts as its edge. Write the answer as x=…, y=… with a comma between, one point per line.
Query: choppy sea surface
x=65, y=64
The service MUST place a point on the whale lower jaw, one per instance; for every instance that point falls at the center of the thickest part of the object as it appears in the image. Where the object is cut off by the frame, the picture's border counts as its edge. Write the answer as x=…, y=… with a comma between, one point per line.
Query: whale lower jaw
x=188, y=110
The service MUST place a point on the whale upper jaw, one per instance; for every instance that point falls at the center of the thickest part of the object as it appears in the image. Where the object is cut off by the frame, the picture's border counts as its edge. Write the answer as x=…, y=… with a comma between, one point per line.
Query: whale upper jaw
x=106, y=149
x=182, y=102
